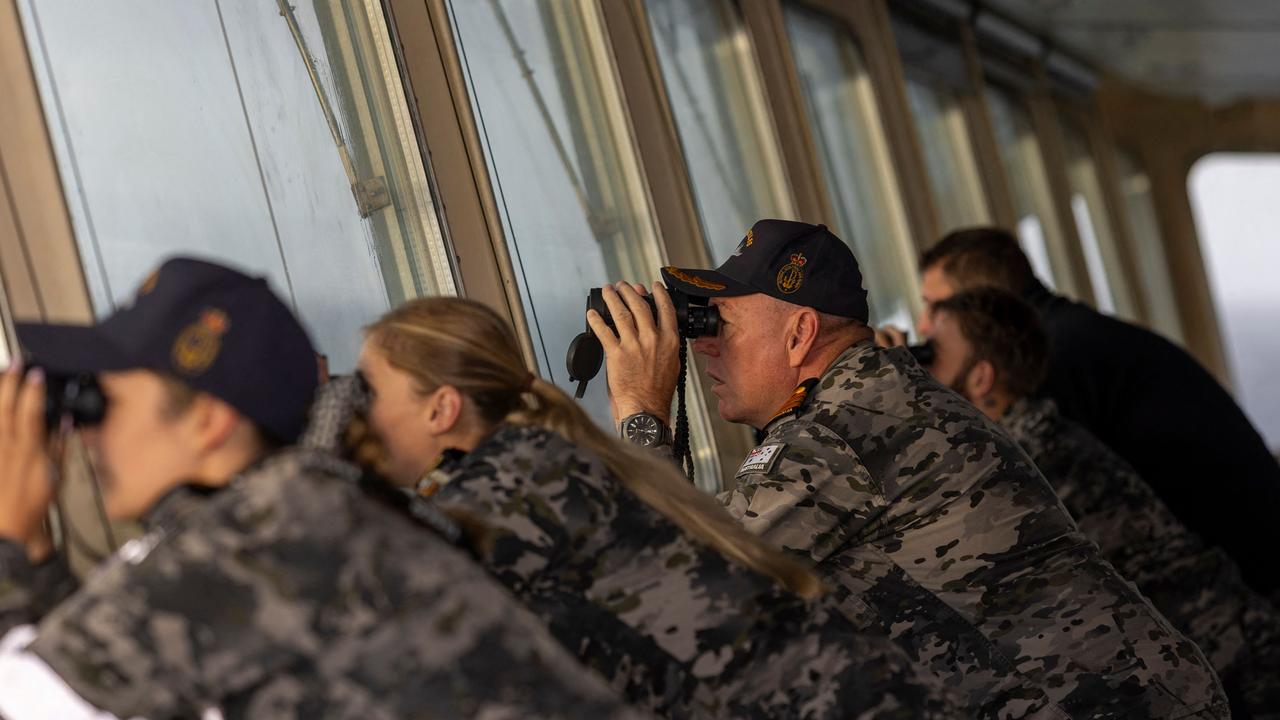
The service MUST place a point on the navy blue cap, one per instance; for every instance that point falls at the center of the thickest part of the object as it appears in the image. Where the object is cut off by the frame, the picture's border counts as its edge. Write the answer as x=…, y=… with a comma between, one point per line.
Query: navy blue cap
x=215, y=329
x=799, y=263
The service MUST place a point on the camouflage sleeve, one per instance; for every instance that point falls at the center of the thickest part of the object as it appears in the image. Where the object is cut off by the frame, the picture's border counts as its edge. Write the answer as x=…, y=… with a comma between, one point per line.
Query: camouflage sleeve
x=178, y=621
x=29, y=591
x=525, y=519
x=160, y=636
x=804, y=489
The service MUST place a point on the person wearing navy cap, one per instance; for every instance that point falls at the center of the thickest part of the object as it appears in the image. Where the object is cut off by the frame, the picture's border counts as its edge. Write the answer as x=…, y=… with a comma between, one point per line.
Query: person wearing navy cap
x=930, y=522
x=227, y=369
x=262, y=587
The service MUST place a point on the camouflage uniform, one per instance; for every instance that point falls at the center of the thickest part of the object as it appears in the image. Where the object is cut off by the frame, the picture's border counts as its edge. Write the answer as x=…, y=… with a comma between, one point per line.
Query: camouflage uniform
x=674, y=625
x=28, y=592
x=293, y=593
x=941, y=534
x=1198, y=588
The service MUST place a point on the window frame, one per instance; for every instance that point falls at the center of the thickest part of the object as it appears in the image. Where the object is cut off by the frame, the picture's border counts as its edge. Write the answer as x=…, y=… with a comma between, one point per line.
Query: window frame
x=434, y=71
x=1082, y=114
x=955, y=30
x=793, y=165
x=847, y=19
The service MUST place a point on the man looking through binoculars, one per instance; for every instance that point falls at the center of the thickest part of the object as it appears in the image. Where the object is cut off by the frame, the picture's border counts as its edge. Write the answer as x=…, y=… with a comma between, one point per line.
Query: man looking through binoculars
x=933, y=526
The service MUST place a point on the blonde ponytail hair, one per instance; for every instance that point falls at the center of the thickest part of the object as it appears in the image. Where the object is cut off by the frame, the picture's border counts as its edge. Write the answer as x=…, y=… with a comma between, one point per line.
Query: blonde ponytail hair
x=461, y=343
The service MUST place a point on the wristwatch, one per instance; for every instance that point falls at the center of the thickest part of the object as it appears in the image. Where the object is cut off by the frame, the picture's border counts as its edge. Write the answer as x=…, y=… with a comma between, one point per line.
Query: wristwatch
x=645, y=430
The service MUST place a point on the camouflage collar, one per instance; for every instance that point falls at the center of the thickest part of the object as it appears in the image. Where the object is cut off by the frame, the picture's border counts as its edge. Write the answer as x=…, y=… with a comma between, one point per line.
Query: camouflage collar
x=440, y=475
x=1025, y=418
x=176, y=504
x=849, y=356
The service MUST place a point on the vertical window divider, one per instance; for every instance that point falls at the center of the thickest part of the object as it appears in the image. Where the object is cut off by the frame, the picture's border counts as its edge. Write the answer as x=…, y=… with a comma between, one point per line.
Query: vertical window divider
x=767, y=27
x=662, y=163
x=452, y=143
x=995, y=182
x=871, y=24
x=1101, y=145
x=1052, y=145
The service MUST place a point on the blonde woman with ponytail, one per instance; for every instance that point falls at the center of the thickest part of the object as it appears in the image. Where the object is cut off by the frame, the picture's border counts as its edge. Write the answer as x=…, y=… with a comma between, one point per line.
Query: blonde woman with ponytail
x=649, y=581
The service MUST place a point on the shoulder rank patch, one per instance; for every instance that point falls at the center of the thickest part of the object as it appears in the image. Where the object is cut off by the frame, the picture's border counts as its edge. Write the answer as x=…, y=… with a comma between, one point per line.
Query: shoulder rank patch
x=794, y=403
x=762, y=459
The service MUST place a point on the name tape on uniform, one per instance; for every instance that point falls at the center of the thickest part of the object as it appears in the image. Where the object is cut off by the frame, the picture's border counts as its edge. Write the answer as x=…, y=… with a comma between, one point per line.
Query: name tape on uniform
x=761, y=459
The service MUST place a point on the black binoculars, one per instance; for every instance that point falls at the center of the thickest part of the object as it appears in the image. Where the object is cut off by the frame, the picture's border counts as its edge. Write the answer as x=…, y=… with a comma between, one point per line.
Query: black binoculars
x=924, y=353
x=694, y=319
x=78, y=397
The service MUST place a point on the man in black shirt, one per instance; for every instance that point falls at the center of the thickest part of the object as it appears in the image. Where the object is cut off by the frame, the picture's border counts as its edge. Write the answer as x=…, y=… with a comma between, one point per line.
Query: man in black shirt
x=1143, y=396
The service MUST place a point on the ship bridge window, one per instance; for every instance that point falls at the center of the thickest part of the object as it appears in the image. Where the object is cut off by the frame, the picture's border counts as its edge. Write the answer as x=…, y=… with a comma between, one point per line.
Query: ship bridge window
x=935, y=73
x=567, y=179
x=859, y=174
x=281, y=144
x=1038, y=229
x=1097, y=237
x=730, y=146
x=1152, y=261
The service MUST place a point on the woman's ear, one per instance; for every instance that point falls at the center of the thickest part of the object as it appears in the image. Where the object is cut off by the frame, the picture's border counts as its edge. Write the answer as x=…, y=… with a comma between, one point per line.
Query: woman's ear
x=442, y=409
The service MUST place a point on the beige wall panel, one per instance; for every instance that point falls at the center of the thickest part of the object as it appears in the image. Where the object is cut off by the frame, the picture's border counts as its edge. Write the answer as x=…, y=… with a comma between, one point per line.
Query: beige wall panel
x=38, y=228
x=18, y=282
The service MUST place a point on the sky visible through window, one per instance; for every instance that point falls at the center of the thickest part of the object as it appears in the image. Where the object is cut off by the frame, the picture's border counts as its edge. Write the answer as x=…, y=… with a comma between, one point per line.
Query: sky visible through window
x=1235, y=198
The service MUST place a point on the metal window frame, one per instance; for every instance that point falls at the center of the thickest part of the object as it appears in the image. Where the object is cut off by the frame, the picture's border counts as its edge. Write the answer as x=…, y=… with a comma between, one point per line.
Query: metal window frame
x=1115, y=151
x=433, y=77
x=847, y=18
x=1100, y=146
x=45, y=279
x=1082, y=113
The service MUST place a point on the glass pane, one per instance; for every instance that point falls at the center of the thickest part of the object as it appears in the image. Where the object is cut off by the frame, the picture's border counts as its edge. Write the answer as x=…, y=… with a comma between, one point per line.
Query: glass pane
x=729, y=144
x=1038, y=229
x=948, y=154
x=281, y=143
x=574, y=207
x=1153, y=265
x=1101, y=254
x=859, y=175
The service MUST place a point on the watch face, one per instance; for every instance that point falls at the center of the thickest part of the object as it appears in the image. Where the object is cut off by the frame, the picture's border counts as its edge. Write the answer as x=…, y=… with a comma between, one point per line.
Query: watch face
x=643, y=430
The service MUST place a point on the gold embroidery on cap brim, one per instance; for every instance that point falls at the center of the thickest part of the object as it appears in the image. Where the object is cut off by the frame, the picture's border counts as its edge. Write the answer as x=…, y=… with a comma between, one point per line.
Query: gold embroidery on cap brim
x=693, y=279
